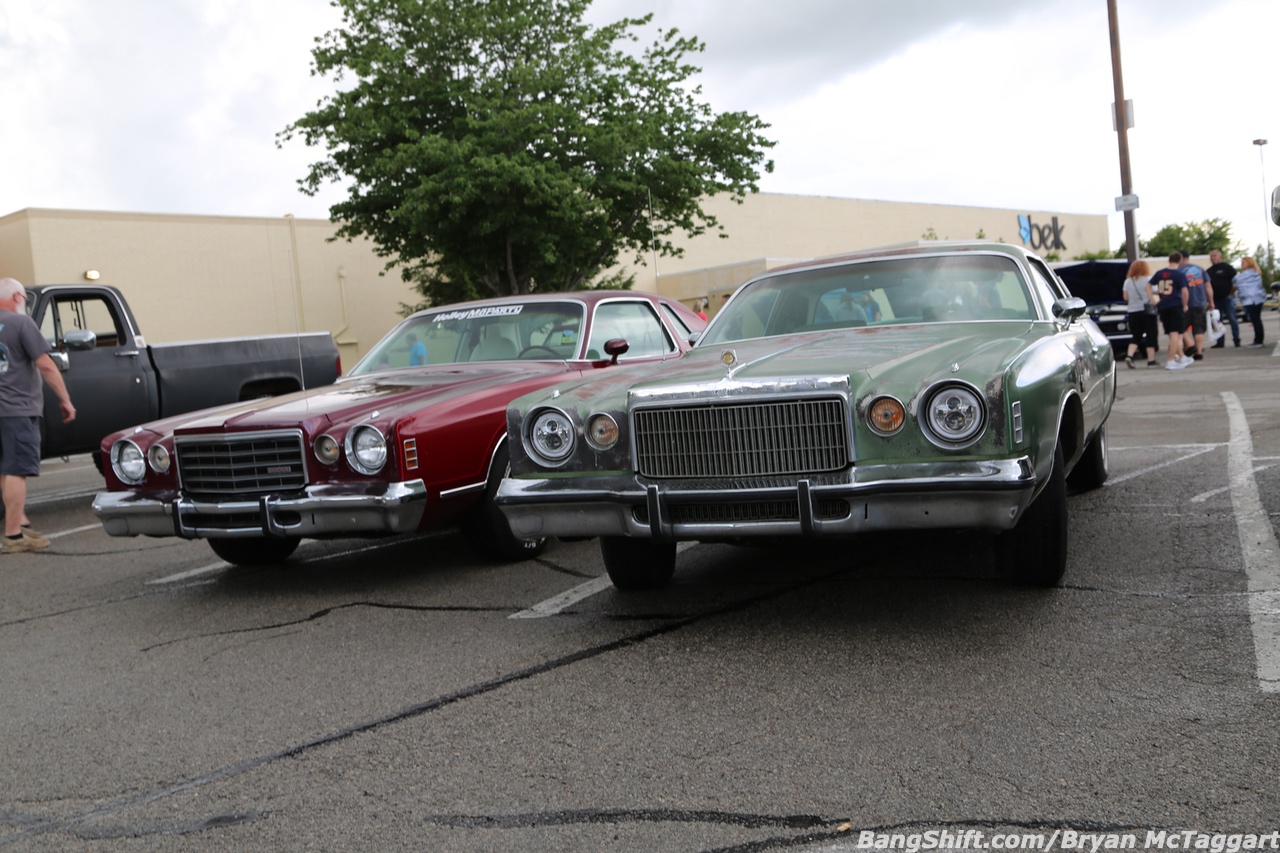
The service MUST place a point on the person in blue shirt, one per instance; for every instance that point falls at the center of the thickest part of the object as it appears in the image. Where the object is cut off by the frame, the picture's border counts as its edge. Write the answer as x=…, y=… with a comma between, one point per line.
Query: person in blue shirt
x=1199, y=304
x=417, y=351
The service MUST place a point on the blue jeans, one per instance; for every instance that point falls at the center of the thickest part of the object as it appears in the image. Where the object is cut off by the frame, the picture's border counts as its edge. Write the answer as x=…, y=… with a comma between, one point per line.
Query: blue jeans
x=1227, y=305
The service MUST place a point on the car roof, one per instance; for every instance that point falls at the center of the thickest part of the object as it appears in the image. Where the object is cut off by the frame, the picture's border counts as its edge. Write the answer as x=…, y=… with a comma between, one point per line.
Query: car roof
x=589, y=297
x=898, y=250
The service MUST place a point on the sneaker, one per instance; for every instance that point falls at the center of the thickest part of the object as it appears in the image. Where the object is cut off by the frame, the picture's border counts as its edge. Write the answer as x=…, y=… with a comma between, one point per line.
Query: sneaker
x=1153, y=363
x=34, y=536
x=1237, y=343
x=1174, y=365
x=22, y=544
x=1197, y=357
x=1128, y=359
x=1257, y=345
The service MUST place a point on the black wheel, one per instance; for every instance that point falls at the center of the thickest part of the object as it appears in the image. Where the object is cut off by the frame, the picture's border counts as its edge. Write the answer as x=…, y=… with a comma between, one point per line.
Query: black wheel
x=1092, y=469
x=488, y=532
x=1035, y=551
x=638, y=563
x=254, y=552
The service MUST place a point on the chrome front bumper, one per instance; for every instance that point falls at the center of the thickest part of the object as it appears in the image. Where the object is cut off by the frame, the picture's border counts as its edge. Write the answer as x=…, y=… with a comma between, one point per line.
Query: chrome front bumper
x=987, y=495
x=319, y=511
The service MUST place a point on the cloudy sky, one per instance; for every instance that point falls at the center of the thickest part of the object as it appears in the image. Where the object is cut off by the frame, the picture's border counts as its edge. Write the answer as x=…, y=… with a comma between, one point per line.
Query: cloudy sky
x=174, y=107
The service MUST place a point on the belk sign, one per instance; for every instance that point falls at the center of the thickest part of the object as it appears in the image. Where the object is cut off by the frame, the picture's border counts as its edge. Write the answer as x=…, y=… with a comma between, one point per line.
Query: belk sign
x=1040, y=236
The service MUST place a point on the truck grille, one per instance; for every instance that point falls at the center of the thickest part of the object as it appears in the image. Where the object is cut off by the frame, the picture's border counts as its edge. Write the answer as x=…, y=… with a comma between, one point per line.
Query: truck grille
x=240, y=464
x=742, y=439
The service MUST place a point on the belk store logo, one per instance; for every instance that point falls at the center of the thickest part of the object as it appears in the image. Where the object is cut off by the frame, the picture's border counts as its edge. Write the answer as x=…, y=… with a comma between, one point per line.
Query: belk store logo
x=1040, y=236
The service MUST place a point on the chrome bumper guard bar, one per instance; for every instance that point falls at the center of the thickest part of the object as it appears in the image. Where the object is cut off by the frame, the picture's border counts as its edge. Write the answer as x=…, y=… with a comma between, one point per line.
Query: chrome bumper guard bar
x=318, y=511
x=987, y=495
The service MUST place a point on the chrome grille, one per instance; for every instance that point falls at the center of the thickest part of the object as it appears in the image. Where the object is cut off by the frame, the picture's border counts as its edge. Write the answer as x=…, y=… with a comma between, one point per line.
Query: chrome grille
x=742, y=439
x=240, y=464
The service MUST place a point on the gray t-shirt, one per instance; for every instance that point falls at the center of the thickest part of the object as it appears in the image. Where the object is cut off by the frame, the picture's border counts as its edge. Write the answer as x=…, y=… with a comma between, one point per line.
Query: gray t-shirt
x=21, y=389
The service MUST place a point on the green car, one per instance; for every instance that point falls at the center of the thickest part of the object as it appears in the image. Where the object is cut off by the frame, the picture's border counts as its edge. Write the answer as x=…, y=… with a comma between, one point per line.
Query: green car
x=935, y=386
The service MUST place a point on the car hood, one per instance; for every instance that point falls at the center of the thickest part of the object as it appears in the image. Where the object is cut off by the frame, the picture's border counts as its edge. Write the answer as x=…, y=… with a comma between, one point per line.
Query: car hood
x=356, y=398
x=867, y=356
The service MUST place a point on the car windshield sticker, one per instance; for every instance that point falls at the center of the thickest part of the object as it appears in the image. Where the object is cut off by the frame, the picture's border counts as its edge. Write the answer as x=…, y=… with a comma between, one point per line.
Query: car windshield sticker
x=568, y=336
x=492, y=311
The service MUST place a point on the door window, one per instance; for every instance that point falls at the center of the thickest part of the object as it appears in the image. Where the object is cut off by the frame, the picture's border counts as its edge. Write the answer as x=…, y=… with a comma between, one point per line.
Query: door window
x=634, y=321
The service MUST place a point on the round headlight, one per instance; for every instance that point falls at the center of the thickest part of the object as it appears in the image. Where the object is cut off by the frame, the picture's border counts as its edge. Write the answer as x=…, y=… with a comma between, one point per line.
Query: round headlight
x=886, y=416
x=158, y=456
x=602, y=432
x=326, y=449
x=552, y=435
x=366, y=449
x=127, y=461
x=955, y=414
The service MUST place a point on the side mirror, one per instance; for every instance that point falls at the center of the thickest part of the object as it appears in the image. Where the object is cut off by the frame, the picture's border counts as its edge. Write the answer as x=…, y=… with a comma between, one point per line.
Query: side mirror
x=1275, y=205
x=1069, y=308
x=694, y=338
x=80, y=340
x=60, y=359
x=616, y=347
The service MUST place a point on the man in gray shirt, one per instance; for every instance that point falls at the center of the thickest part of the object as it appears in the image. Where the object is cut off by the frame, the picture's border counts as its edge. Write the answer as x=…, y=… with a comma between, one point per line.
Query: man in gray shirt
x=24, y=358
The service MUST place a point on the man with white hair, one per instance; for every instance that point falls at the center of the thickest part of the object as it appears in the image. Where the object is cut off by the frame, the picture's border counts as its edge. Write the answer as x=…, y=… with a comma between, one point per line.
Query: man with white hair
x=24, y=358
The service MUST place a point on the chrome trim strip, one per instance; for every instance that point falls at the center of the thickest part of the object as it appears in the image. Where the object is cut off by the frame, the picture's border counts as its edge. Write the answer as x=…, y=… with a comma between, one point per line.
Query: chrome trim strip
x=462, y=490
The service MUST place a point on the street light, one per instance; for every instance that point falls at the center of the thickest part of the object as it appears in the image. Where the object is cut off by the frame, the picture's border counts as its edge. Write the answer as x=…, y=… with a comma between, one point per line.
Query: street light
x=1266, y=203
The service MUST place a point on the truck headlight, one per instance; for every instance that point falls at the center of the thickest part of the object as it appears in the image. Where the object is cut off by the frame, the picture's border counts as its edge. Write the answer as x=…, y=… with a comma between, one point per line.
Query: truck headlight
x=954, y=415
x=552, y=437
x=127, y=461
x=366, y=449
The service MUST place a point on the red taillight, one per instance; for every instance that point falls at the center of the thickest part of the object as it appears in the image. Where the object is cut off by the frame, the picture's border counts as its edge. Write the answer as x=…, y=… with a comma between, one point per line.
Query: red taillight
x=337, y=365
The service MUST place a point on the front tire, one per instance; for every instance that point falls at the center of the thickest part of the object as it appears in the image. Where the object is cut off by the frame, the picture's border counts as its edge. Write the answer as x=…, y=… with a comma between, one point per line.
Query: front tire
x=254, y=552
x=488, y=532
x=1092, y=469
x=1035, y=551
x=636, y=564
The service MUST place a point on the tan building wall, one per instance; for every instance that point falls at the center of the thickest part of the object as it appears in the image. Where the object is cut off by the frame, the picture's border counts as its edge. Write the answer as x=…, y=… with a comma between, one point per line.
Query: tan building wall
x=194, y=277
x=772, y=229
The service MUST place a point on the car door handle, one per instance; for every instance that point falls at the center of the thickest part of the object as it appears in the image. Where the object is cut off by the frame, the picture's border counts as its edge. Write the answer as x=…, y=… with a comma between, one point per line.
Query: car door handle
x=127, y=353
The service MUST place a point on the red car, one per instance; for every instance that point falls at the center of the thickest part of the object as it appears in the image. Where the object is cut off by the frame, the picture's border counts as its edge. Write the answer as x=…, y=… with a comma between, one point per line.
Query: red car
x=412, y=439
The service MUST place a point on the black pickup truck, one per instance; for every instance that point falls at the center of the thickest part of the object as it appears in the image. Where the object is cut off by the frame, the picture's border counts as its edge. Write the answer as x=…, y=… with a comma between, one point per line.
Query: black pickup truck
x=116, y=379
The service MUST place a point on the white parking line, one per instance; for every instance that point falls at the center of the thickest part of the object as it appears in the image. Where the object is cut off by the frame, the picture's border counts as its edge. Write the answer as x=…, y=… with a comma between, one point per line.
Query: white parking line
x=1258, y=544
x=62, y=533
x=1195, y=450
x=191, y=573
x=1204, y=496
x=552, y=606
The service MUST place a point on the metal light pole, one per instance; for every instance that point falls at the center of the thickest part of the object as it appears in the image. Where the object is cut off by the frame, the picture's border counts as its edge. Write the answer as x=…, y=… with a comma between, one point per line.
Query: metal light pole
x=1122, y=130
x=1266, y=196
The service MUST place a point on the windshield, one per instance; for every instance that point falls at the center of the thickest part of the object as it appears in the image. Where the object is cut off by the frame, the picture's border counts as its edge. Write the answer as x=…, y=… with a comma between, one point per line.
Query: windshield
x=541, y=330
x=877, y=293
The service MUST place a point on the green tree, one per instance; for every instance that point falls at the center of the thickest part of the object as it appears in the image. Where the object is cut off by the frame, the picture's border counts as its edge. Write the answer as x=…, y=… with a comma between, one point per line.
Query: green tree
x=1199, y=238
x=505, y=146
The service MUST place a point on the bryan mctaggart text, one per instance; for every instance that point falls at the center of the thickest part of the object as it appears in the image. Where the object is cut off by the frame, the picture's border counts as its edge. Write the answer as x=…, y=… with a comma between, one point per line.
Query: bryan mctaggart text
x=1069, y=839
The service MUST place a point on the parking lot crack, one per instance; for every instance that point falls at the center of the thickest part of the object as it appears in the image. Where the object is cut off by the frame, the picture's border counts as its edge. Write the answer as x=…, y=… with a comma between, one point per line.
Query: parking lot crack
x=328, y=611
